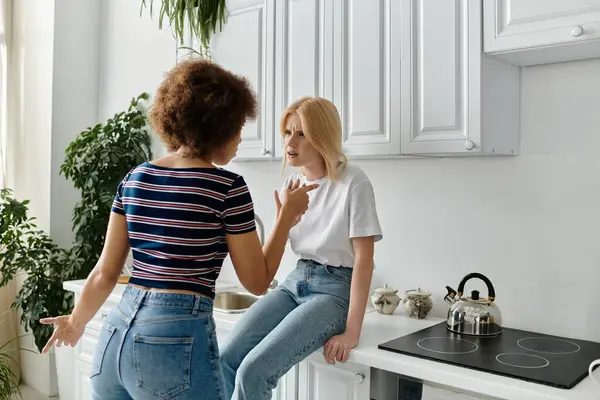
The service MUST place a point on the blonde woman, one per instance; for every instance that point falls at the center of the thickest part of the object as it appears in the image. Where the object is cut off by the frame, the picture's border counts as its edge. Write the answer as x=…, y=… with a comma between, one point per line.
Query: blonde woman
x=322, y=302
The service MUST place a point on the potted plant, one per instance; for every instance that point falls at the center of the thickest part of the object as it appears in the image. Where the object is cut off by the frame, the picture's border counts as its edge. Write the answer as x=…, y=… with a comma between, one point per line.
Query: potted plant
x=9, y=380
x=26, y=249
x=201, y=16
x=96, y=162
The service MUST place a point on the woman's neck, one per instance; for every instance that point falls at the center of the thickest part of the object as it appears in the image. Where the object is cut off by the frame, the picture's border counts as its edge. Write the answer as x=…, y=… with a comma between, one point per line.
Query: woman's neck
x=182, y=157
x=314, y=172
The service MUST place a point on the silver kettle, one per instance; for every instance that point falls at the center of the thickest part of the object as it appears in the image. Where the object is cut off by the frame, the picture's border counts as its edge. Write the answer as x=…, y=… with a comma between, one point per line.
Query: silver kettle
x=473, y=315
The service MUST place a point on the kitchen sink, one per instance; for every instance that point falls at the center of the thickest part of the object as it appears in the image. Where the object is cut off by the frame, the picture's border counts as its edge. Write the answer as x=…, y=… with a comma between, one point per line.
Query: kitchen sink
x=233, y=302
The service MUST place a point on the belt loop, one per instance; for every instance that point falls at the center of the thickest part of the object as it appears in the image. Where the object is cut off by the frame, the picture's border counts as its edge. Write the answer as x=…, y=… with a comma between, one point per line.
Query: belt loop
x=141, y=295
x=196, y=305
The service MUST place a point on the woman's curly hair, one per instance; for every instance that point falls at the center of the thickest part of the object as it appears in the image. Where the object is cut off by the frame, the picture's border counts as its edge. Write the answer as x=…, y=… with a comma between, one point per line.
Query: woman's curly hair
x=202, y=106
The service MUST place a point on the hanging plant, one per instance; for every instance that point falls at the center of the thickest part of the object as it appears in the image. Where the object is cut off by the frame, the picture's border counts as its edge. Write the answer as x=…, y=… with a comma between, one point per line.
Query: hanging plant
x=201, y=16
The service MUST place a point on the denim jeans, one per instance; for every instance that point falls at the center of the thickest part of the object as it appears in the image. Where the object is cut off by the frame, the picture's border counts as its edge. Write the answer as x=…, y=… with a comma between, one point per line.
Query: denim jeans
x=284, y=327
x=158, y=346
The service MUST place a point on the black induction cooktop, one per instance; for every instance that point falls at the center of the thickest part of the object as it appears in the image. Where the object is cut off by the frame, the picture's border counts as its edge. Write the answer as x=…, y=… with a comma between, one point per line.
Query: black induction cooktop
x=529, y=356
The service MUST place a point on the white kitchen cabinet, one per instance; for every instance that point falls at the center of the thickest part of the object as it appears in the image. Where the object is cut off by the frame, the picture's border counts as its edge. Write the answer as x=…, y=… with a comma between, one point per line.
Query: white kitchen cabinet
x=529, y=32
x=84, y=351
x=408, y=77
x=455, y=100
x=303, y=43
x=321, y=381
x=342, y=50
x=366, y=86
x=245, y=46
x=83, y=388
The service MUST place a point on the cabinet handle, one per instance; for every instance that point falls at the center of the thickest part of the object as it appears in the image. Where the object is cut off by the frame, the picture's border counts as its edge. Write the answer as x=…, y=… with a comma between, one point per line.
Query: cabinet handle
x=577, y=31
x=359, y=378
x=264, y=151
x=469, y=145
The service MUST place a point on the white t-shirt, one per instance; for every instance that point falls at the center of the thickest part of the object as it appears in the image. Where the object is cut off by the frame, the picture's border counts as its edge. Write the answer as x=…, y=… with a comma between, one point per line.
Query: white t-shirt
x=338, y=212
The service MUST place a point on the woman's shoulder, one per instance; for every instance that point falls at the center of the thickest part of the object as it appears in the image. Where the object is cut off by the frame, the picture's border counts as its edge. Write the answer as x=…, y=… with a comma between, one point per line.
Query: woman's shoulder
x=353, y=176
x=185, y=175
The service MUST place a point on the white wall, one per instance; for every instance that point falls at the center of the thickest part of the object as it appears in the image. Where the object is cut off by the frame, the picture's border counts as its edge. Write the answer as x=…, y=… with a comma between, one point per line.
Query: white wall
x=530, y=222
x=54, y=95
x=74, y=99
x=134, y=56
x=29, y=138
x=31, y=119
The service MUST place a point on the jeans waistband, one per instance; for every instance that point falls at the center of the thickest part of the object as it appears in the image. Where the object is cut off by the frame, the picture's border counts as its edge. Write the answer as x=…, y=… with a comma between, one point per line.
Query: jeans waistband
x=162, y=299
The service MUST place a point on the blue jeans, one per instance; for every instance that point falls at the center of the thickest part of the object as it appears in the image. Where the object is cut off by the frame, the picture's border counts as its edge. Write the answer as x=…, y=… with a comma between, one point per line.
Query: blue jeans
x=158, y=346
x=284, y=327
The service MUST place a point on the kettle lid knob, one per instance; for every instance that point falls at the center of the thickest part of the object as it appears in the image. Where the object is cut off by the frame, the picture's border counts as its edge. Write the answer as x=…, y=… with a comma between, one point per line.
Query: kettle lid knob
x=475, y=295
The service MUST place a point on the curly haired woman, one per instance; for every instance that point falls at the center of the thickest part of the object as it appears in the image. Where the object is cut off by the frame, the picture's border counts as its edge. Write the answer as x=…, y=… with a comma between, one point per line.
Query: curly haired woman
x=181, y=216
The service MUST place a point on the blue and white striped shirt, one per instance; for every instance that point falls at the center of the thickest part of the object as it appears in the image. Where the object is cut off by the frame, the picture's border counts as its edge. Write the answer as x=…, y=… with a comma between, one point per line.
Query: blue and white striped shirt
x=177, y=220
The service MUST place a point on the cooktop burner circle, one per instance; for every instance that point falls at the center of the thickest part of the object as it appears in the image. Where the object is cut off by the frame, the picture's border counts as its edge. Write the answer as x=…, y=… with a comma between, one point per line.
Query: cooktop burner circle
x=548, y=345
x=447, y=345
x=522, y=360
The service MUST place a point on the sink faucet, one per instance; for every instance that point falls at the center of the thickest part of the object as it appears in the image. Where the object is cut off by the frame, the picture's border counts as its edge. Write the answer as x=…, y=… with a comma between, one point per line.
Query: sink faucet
x=261, y=237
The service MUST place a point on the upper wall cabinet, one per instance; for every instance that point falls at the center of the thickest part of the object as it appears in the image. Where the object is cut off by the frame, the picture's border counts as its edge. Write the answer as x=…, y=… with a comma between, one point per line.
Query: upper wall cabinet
x=408, y=77
x=530, y=32
x=348, y=52
x=245, y=47
x=455, y=101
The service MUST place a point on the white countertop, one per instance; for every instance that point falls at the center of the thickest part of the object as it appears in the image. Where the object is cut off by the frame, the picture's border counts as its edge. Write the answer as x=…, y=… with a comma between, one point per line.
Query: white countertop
x=379, y=328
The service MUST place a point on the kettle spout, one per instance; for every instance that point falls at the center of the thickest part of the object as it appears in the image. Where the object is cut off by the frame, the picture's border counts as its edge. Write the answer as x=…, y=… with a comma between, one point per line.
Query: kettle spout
x=449, y=298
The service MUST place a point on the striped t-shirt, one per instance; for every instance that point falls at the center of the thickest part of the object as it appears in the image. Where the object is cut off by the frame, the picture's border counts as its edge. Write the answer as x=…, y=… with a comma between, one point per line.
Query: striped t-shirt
x=177, y=220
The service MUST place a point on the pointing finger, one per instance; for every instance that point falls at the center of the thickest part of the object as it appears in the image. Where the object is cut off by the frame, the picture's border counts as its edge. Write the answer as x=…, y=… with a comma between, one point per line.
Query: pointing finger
x=277, y=201
x=50, y=343
x=308, y=188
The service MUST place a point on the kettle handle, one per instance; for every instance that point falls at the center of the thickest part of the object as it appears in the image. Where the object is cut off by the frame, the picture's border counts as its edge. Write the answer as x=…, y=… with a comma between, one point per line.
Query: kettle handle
x=490, y=287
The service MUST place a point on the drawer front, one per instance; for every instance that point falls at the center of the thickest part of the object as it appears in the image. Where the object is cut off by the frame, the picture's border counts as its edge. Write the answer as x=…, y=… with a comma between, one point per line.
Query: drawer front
x=83, y=388
x=86, y=345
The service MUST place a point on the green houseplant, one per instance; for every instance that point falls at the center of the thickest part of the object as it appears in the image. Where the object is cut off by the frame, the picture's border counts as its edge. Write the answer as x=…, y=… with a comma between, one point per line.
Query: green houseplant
x=202, y=17
x=96, y=161
x=26, y=249
x=9, y=381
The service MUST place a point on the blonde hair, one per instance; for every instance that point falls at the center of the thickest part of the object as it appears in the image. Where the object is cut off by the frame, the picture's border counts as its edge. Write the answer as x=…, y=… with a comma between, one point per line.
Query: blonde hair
x=322, y=128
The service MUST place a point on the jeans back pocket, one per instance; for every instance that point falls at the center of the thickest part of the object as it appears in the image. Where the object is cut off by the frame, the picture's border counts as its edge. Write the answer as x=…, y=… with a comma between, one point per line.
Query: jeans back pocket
x=162, y=364
x=106, y=334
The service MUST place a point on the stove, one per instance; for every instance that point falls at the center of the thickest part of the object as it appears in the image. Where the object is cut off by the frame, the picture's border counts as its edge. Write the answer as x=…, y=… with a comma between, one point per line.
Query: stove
x=529, y=356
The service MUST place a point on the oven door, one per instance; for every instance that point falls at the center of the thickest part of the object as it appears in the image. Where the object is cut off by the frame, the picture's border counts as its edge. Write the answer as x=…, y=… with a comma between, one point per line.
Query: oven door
x=387, y=385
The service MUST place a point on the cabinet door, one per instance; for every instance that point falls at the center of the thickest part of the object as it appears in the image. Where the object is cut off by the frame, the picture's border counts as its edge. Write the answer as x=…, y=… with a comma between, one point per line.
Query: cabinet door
x=303, y=62
x=522, y=24
x=287, y=386
x=245, y=47
x=441, y=76
x=83, y=389
x=366, y=75
x=321, y=381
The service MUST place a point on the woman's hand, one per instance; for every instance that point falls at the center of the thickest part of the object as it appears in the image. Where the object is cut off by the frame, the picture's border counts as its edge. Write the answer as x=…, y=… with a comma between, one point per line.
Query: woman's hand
x=295, y=199
x=65, y=332
x=338, y=347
